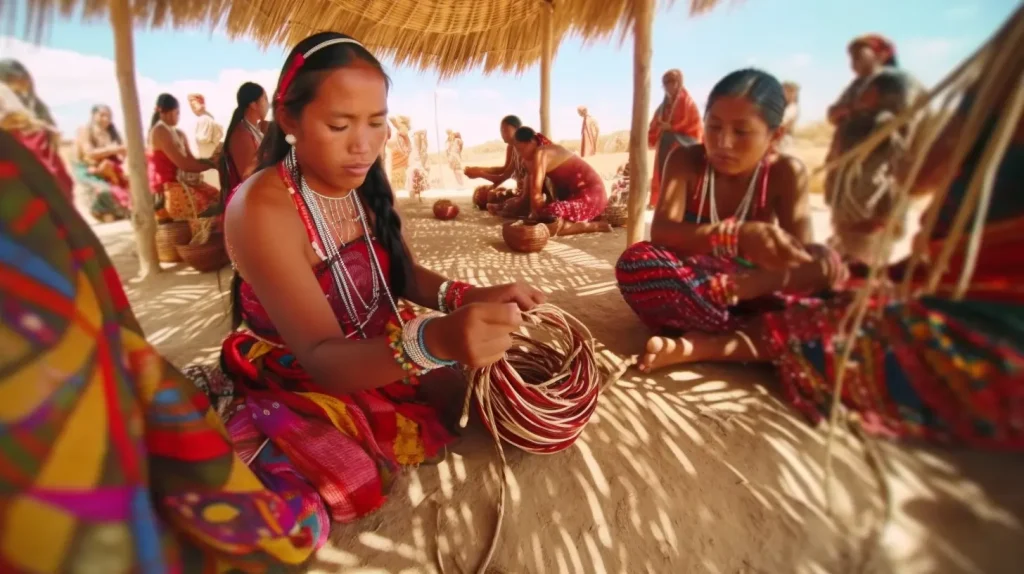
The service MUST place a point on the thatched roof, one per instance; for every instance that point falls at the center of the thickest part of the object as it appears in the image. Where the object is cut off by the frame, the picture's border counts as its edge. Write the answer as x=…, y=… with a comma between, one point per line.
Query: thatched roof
x=447, y=36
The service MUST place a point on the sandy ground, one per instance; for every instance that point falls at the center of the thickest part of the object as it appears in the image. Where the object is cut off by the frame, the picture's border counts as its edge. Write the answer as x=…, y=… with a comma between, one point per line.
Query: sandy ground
x=697, y=469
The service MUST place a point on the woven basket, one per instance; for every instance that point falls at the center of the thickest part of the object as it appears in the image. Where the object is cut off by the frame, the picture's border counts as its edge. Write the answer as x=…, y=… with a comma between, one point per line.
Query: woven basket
x=524, y=236
x=169, y=236
x=480, y=196
x=444, y=209
x=209, y=256
x=616, y=215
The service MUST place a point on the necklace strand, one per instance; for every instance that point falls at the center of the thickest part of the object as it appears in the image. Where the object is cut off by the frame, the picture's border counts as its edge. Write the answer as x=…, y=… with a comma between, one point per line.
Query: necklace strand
x=339, y=270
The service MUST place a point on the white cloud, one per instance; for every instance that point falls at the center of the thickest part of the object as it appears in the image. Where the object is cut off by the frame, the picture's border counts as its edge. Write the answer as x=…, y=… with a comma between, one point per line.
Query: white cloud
x=70, y=83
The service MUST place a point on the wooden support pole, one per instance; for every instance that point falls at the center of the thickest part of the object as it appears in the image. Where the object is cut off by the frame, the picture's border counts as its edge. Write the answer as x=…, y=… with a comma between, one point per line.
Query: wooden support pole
x=639, y=174
x=547, y=50
x=143, y=219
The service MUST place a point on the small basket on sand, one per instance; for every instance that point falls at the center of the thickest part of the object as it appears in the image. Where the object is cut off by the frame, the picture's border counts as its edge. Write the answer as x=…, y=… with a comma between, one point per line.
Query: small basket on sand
x=616, y=215
x=525, y=236
x=444, y=209
x=205, y=257
x=480, y=196
x=169, y=235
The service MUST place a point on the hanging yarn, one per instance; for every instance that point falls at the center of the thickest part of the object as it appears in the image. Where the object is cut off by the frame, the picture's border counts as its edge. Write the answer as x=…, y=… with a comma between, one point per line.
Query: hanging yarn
x=539, y=397
x=994, y=68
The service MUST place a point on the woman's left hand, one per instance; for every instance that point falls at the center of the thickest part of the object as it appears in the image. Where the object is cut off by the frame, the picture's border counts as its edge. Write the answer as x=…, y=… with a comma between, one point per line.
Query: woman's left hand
x=526, y=296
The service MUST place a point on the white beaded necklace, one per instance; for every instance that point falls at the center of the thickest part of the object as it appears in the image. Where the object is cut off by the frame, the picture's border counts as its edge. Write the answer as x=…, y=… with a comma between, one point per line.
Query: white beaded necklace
x=343, y=282
x=707, y=193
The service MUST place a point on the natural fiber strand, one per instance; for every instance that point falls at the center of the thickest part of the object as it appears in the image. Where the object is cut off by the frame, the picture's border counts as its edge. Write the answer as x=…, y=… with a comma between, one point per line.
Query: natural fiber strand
x=553, y=384
x=989, y=70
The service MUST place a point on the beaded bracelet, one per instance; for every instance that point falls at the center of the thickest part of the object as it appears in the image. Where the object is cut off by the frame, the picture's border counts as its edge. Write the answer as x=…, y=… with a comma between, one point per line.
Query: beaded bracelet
x=449, y=296
x=394, y=333
x=725, y=240
x=415, y=348
x=722, y=290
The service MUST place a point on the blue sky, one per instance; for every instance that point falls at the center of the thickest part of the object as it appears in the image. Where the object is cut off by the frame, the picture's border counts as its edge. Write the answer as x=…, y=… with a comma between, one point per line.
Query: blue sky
x=801, y=40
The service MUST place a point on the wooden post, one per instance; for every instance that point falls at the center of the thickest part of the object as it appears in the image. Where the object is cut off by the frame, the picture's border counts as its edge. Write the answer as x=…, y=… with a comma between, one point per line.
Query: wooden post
x=547, y=49
x=639, y=177
x=143, y=219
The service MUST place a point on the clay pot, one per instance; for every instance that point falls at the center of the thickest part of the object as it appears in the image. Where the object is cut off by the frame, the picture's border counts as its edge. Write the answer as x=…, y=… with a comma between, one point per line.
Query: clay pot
x=444, y=210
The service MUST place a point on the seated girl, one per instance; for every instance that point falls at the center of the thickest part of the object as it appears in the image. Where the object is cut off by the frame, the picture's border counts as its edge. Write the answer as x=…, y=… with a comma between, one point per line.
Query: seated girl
x=175, y=175
x=325, y=361
x=578, y=196
x=731, y=231
x=243, y=136
x=99, y=166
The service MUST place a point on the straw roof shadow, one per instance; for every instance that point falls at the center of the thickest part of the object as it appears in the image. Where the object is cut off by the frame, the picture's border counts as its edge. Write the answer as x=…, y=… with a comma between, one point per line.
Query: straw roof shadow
x=447, y=36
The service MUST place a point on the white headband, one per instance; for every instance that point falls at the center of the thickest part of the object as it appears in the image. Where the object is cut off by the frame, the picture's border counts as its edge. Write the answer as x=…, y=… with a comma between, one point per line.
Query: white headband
x=331, y=42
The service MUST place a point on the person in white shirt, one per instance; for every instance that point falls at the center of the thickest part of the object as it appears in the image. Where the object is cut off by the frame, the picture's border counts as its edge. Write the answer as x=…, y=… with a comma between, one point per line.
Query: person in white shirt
x=209, y=135
x=791, y=115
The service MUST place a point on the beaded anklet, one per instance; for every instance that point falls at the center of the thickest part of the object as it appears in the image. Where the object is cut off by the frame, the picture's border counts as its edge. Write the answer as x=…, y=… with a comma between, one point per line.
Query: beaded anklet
x=449, y=296
x=725, y=240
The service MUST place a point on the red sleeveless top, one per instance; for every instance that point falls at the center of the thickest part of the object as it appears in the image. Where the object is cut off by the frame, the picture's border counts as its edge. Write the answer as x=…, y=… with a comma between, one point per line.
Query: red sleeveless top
x=355, y=256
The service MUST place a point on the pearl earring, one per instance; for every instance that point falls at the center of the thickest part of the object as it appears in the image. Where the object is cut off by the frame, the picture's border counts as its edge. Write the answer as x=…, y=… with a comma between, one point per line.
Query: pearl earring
x=290, y=138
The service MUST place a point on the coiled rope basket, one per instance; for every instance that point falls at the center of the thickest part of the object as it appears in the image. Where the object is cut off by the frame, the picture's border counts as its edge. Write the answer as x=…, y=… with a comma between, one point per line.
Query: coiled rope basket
x=540, y=396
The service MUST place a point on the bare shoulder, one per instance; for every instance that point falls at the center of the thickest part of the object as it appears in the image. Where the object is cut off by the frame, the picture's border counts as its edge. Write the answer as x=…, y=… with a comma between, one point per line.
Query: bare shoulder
x=787, y=172
x=686, y=162
x=263, y=199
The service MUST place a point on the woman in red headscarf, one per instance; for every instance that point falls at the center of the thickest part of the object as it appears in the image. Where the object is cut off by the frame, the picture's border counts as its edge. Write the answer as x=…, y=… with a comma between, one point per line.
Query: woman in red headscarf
x=676, y=122
x=880, y=92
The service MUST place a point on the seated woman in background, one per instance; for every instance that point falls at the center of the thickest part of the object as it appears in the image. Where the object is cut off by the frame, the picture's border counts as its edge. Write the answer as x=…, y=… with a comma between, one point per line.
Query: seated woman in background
x=27, y=118
x=731, y=230
x=107, y=437
x=513, y=167
x=323, y=359
x=578, y=193
x=175, y=175
x=243, y=137
x=98, y=166
x=879, y=93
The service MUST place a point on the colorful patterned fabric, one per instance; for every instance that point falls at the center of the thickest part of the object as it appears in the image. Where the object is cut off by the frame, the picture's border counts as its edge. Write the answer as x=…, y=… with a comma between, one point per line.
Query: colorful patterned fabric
x=580, y=194
x=669, y=292
x=112, y=461
x=107, y=188
x=937, y=369
x=337, y=454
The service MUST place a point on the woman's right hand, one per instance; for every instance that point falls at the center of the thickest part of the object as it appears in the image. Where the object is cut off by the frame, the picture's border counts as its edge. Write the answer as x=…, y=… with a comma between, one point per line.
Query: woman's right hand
x=768, y=246
x=475, y=335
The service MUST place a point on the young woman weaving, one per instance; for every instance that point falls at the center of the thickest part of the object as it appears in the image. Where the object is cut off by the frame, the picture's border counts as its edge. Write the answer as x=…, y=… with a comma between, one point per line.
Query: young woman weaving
x=731, y=233
x=321, y=269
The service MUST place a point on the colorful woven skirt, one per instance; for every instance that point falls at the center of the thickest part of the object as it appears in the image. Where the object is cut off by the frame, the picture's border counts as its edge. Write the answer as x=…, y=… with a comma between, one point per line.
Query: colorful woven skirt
x=685, y=293
x=335, y=455
x=943, y=371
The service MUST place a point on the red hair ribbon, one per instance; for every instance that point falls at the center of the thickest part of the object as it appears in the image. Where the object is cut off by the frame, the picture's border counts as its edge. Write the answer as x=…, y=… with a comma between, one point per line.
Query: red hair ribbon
x=288, y=76
x=878, y=44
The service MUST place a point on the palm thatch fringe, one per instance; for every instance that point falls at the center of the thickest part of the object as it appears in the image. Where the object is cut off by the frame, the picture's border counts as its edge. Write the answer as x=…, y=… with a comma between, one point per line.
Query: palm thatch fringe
x=446, y=36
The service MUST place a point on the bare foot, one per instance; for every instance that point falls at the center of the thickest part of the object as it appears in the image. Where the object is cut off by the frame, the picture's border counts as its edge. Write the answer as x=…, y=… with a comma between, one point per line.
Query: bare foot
x=663, y=352
x=564, y=228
